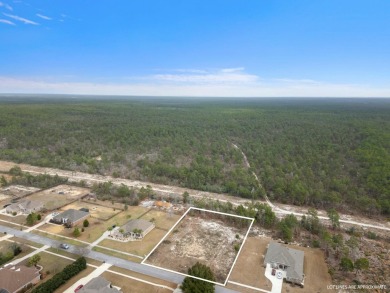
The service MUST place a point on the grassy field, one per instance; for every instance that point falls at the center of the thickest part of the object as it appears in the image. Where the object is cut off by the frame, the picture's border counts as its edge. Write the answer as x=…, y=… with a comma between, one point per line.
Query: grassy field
x=162, y=219
x=18, y=220
x=97, y=227
x=96, y=211
x=133, y=286
x=52, y=199
x=117, y=254
x=143, y=277
x=249, y=269
x=59, y=238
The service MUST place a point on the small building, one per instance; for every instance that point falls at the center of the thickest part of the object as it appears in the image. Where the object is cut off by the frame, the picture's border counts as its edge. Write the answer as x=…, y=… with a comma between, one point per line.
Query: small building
x=24, y=207
x=286, y=259
x=14, y=279
x=137, y=228
x=70, y=217
x=98, y=285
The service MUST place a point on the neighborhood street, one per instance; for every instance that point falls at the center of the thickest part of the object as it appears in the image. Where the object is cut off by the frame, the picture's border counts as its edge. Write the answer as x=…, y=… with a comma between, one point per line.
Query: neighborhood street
x=139, y=268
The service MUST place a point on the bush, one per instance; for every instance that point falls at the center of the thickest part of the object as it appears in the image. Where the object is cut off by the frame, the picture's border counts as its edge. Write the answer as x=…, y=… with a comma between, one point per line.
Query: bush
x=85, y=223
x=59, y=279
x=39, y=217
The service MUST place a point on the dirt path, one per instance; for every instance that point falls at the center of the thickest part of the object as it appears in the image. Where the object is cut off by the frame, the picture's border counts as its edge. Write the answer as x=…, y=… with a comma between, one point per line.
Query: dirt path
x=178, y=191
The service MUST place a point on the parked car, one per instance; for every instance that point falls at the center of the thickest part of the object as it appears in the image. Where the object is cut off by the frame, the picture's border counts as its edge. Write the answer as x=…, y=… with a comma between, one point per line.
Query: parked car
x=78, y=288
x=273, y=272
x=64, y=246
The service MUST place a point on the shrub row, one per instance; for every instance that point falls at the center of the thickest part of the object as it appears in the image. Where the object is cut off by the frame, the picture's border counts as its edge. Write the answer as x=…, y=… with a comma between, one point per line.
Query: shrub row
x=59, y=279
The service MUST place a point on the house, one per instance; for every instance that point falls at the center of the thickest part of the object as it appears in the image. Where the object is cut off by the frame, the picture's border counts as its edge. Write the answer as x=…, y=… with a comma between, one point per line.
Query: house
x=98, y=285
x=286, y=259
x=70, y=217
x=24, y=207
x=15, y=279
x=137, y=228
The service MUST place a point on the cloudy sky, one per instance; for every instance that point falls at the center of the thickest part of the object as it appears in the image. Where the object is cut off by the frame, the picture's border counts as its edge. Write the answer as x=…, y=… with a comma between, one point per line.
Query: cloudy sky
x=253, y=48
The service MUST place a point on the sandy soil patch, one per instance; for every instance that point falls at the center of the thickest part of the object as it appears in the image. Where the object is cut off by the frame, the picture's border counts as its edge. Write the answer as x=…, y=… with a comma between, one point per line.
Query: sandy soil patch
x=196, y=238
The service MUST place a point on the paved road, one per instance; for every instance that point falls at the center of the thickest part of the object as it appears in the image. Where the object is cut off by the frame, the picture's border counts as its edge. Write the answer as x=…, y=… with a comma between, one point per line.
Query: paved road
x=135, y=267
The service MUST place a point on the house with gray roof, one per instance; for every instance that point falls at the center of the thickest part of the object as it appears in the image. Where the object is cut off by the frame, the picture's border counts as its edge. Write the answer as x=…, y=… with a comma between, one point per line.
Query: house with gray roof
x=98, y=285
x=70, y=217
x=24, y=207
x=137, y=228
x=286, y=259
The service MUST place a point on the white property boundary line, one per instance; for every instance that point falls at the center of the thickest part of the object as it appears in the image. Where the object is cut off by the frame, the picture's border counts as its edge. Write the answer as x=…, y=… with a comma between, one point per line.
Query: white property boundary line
x=174, y=226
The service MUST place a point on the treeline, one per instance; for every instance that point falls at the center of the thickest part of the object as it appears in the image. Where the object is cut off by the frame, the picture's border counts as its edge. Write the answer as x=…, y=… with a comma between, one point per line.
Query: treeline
x=60, y=278
x=40, y=181
x=321, y=153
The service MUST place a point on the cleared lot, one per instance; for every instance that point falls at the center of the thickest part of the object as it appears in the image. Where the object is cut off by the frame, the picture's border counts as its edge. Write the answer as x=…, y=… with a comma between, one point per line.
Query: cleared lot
x=59, y=196
x=202, y=236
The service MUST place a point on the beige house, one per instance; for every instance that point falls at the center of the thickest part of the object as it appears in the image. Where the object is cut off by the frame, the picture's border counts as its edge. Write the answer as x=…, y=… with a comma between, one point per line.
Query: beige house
x=137, y=228
x=24, y=207
x=14, y=279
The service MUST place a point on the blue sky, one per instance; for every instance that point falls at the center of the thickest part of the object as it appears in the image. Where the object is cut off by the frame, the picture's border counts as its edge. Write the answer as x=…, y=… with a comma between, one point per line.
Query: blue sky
x=202, y=48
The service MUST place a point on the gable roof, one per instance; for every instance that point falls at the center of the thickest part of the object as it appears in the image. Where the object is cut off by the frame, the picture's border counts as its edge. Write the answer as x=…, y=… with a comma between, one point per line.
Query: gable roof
x=98, y=285
x=137, y=224
x=24, y=205
x=72, y=215
x=13, y=277
x=292, y=258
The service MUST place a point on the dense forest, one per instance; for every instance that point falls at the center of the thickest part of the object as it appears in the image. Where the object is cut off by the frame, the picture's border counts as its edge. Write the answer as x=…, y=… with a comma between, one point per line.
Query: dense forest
x=326, y=153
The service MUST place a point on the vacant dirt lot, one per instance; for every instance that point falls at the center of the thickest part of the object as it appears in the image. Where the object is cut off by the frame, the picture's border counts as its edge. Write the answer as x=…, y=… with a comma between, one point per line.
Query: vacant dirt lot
x=209, y=241
x=59, y=196
x=14, y=191
x=249, y=268
x=96, y=211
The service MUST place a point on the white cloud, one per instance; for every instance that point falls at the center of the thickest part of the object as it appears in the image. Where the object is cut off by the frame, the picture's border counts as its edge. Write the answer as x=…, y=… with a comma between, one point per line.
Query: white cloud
x=6, y=6
x=24, y=20
x=43, y=16
x=223, y=76
x=265, y=88
x=6, y=21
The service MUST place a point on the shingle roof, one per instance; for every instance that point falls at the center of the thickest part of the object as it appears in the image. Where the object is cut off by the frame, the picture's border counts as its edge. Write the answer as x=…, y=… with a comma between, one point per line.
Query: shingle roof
x=137, y=224
x=26, y=204
x=13, y=277
x=98, y=285
x=292, y=258
x=71, y=214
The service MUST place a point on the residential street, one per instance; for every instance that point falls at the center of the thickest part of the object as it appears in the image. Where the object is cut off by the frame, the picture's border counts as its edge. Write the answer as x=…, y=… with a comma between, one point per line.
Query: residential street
x=139, y=268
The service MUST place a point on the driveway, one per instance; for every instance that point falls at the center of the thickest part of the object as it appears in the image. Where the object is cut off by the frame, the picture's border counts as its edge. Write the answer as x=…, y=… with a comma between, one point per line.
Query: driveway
x=122, y=263
x=277, y=280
